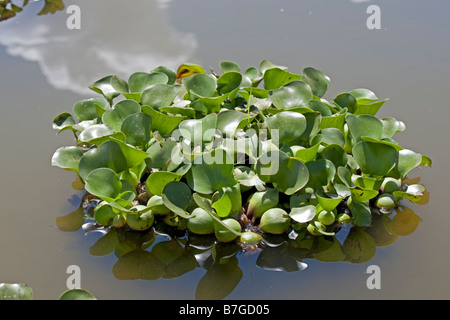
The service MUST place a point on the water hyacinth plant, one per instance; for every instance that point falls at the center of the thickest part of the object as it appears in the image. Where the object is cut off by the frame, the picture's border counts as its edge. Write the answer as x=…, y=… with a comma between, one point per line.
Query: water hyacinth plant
x=238, y=154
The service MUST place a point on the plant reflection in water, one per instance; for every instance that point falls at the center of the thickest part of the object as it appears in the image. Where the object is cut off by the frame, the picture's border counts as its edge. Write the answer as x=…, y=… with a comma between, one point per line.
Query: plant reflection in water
x=166, y=252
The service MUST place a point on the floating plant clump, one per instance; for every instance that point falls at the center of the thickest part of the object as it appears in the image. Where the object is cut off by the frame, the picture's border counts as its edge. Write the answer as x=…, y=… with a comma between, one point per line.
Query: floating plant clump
x=237, y=155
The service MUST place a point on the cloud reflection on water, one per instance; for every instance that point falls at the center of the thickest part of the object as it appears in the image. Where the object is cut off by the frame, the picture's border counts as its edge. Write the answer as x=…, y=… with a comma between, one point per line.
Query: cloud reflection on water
x=118, y=39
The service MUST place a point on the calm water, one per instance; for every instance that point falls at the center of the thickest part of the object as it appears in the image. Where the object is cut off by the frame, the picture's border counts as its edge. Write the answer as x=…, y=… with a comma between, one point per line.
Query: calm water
x=45, y=68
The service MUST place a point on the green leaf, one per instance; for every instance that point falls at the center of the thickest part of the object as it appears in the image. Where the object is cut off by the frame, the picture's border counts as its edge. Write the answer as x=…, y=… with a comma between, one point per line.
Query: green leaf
x=171, y=75
x=364, y=125
x=67, y=158
x=336, y=154
x=200, y=85
x=62, y=121
x=89, y=109
x=137, y=129
x=286, y=173
x=370, y=108
x=286, y=125
x=374, y=158
x=229, y=121
x=364, y=96
x=211, y=172
x=103, y=183
x=360, y=194
x=99, y=133
x=332, y=136
x=274, y=78
x=361, y=214
x=391, y=126
x=303, y=214
x=161, y=122
x=77, y=294
x=230, y=201
x=176, y=196
x=194, y=131
x=328, y=201
x=228, y=66
x=321, y=173
x=228, y=82
x=110, y=87
x=159, y=95
x=407, y=160
x=114, y=118
x=107, y=155
x=317, y=80
x=266, y=65
x=139, y=81
x=157, y=181
x=346, y=100
x=292, y=95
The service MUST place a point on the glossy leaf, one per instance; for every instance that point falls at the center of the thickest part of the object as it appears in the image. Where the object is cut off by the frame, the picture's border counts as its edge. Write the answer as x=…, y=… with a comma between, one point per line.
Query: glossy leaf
x=321, y=173
x=89, y=109
x=286, y=125
x=177, y=196
x=303, y=214
x=364, y=125
x=137, y=129
x=107, y=155
x=103, y=183
x=77, y=294
x=211, y=172
x=159, y=95
x=375, y=159
x=364, y=96
x=274, y=78
x=110, y=87
x=158, y=180
x=286, y=173
x=62, y=121
x=317, y=80
x=67, y=158
x=161, y=122
x=114, y=118
x=139, y=81
x=346, y=100
x=292, y=95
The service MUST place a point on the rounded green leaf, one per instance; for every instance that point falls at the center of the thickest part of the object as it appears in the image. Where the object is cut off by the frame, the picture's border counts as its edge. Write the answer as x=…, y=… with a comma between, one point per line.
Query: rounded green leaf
x=211, y=172
x=161, y=122
x=194, y=130
x=139, y=81
x=407, y=160
x=228, y=82
x=317, y=80
x=321, y=173
x=107, y=155
x=110, y=87
x=103, y=183
x=364, y=125
x=346, y=100
x=171, y=74
x=374, y=158
x=177, y=196
x=137, y=129
x=228, y=66
x=229, y=121
x=286, y=173
x=274, y=78
x=157, y=181
x=336, y=154
x=286, y=125
x=77, y=294
x=63, y=120
x=303, y=214
x=229, y=202
x=89, y=109
x=159, y=95
x=96, y=134
x=114, y=118
x=364, y=96
x=200, y=85
x=292, y=95
x=67, y=158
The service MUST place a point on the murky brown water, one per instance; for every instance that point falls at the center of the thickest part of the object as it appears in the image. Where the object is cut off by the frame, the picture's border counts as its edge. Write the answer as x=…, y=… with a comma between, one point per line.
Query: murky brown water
x=45, y=68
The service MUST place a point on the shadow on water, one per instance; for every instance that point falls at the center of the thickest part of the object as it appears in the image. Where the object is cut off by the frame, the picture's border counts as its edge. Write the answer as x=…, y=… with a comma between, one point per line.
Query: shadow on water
x=167, y=252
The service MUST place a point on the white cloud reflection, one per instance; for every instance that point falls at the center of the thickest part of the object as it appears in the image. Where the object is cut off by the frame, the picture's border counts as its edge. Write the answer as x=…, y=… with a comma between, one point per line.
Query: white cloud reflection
x=122, y=38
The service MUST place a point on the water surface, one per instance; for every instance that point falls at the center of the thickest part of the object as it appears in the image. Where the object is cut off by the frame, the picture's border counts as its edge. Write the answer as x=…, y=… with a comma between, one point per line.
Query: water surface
x=45, y=68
